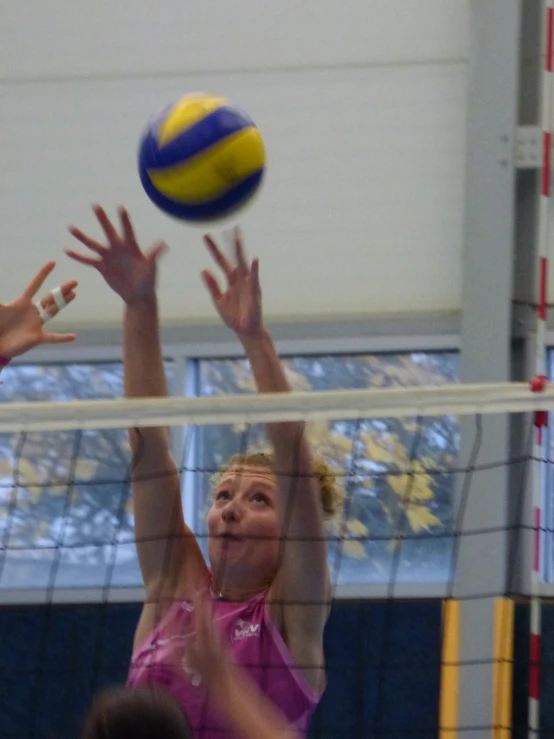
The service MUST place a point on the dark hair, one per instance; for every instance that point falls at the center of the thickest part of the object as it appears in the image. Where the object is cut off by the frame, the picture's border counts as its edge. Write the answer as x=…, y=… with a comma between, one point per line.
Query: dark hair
x=136, y=713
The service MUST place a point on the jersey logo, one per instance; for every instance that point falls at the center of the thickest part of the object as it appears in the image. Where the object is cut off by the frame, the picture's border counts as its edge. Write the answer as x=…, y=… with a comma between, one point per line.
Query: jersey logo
x=244, y=629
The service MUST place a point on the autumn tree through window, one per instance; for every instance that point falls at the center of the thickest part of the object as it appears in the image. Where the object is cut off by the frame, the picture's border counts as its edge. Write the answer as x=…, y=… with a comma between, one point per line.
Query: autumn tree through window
x=66, y=515
x=397, y=472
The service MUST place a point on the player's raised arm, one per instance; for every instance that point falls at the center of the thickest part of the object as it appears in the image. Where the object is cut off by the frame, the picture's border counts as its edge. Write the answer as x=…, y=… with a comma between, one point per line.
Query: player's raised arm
x=22, y=321
x=169, y=555
x=302, y=584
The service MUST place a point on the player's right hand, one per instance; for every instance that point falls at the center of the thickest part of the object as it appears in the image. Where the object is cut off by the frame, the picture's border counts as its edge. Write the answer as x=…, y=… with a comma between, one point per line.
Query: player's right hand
x=129, y=271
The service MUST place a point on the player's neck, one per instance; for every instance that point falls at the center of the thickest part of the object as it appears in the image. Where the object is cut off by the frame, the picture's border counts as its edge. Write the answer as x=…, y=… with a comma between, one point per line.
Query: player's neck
x=226, y=589
x=237, y=594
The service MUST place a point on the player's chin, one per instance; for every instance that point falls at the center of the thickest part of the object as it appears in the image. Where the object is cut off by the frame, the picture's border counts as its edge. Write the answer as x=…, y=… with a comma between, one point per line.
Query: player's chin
x=224, y=553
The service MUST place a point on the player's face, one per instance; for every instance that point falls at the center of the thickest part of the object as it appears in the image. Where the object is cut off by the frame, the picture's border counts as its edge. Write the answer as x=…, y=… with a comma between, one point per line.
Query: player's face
x=243, y=525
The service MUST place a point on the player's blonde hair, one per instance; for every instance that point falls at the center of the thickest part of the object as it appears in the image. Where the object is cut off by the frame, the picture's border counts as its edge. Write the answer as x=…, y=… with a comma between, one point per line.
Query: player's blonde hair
x=332, y=495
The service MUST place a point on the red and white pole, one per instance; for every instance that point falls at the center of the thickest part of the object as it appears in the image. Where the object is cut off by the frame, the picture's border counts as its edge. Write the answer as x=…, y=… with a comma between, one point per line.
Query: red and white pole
x=541, y=417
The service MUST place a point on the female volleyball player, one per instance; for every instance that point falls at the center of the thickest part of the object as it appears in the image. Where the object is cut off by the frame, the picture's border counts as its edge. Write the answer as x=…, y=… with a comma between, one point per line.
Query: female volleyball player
x=269, y=576
x=152, y=712
x=22, y=321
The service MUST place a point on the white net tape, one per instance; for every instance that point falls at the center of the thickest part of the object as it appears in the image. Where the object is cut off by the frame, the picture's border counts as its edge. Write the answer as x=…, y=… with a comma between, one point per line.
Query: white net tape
x=459, y=400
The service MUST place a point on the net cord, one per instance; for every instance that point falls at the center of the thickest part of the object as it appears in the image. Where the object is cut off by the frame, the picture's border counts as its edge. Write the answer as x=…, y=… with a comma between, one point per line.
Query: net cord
x=455, y=400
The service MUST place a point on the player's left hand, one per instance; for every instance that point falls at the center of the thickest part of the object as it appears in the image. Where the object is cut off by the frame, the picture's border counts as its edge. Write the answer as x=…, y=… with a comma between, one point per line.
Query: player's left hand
x=22, y=321
x=240, y=304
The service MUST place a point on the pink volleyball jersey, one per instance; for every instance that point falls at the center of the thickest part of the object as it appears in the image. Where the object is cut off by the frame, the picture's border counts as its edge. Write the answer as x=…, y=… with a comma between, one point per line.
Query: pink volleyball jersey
x=254, y=642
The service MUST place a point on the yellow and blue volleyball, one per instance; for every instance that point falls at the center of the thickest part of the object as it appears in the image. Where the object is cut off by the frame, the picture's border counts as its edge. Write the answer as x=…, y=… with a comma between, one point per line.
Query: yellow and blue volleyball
x=201, y=158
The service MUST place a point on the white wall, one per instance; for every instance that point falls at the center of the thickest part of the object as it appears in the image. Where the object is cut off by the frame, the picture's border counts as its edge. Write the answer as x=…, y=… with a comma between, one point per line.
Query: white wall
x=362, y=105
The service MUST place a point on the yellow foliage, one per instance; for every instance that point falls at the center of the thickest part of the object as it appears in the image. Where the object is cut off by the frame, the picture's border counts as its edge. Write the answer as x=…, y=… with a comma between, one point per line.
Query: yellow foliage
x=334, y=526
x=378, y=381
x=297, y=381
x=28, y=474
x=60, y=485
x=357, y=528
x=399, y=483
x=354, y=549
x=411, y=487
x=61, y=488
x=6, y=467
x=375, y=451
x=401, y=376
x=428, y=463
x=318, y=432
x=412, y=427
x=410, y=481
x=340, y=444
x=385, y=448
x=85, y=469
x=35, y=494
x=245, y=382
x=418, y=469
x=420, y=518
x=400, y=453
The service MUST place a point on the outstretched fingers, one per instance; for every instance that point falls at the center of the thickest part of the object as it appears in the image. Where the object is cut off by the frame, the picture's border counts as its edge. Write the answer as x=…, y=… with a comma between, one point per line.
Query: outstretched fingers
x=212, y=285
x=83, y=259
x=255, y=274
x=239, y=250
x=156, y=251
x=50, y=305
x=87, y=241
x=127, y=227
x=48, y=338
x=218, y=255
x=67, y=289
x=240, y=255
x=38, y=280
x=106, y=224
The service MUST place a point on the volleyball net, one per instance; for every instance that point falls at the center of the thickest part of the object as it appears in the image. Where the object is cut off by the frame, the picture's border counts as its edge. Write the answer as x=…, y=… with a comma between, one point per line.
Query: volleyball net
x=421, y=491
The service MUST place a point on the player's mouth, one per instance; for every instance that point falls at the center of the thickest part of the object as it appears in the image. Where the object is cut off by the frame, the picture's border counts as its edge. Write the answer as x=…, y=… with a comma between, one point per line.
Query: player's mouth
x=231, y=537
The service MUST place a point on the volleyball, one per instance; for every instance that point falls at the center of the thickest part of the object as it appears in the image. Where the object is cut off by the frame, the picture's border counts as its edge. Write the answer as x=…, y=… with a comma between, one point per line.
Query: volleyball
x=201, y=158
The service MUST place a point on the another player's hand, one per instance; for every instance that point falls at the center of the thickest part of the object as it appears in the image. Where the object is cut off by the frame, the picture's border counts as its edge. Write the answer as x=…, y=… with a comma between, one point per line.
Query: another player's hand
x=130, y=272
x=21, y=325
x=240, y=304
x=206, y=653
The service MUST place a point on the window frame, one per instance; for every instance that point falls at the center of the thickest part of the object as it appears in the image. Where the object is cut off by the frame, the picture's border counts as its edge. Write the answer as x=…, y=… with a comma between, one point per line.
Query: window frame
x=332, y=337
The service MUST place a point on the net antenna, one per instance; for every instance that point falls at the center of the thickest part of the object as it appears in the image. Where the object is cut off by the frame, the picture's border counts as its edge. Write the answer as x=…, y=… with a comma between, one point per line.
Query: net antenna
x=539, y=382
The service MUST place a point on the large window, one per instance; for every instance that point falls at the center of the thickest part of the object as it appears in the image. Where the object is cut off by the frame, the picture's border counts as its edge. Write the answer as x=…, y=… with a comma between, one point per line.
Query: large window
x=66, y=518
x=396, y=522
x=65, y=501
